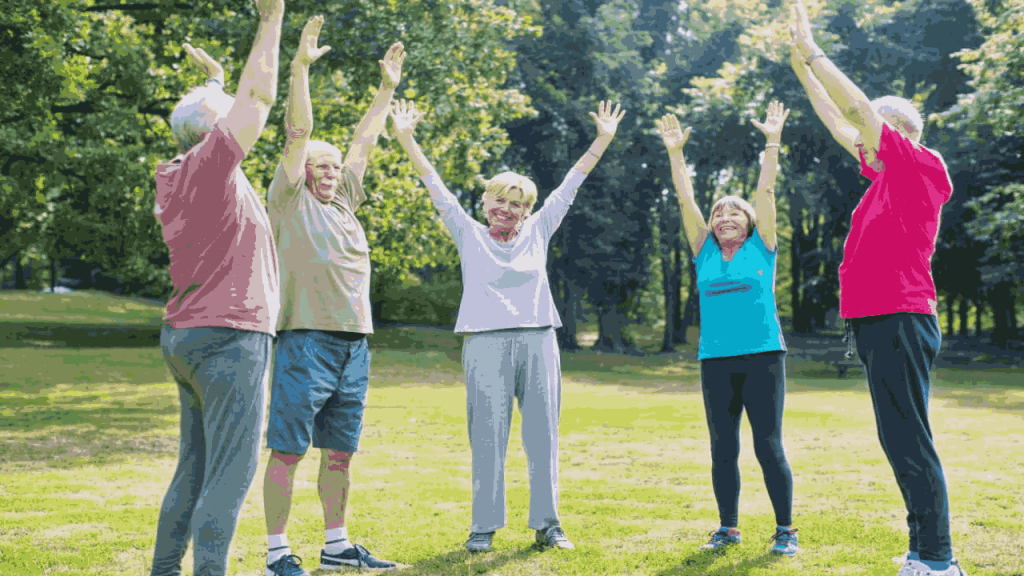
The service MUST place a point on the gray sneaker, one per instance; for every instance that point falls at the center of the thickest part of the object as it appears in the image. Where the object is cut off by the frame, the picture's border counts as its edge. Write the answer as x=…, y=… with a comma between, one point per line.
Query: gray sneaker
x=479, y=541
x=553, y=537
x=915, y=568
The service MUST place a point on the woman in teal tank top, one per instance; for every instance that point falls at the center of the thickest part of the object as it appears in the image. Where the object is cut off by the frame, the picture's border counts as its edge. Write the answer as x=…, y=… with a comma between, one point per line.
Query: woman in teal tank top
x=742, y=351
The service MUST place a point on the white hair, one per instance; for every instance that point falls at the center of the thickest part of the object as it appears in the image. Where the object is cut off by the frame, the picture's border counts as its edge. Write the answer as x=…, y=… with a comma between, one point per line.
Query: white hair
x=317, y=146
x=196, y=114
x=902, y=109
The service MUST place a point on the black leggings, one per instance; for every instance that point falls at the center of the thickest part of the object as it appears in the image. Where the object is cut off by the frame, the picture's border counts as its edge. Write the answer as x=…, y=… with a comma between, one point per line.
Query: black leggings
x=756, y=382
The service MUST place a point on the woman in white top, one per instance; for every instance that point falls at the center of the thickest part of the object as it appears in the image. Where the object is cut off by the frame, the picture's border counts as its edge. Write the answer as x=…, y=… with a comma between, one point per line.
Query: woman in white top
x=509, y=319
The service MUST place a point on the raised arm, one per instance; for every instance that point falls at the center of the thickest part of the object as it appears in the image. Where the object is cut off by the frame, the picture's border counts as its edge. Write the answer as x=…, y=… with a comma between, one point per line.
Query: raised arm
x=257, y=88
x=852, y=103
x=372, y=123
x=404, y=119
x=298, y=119
x=675, y=138
x=842, y=131
x=607, y=123
x=764, y=196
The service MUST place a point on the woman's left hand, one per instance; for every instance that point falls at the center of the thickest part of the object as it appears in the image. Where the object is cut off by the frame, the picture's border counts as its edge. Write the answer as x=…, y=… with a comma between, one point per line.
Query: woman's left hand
x=772, y=127
x=391, y=66
x=199, y=57
x=606, y=119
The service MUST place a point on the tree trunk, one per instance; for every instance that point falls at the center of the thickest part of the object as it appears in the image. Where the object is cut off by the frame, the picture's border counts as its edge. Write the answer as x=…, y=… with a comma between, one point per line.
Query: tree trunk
x=668, y=274
x=949, y=315
x=677, y=273
x=53, y=276
x=1003, y=302
x=19, y=273
x=795, y=266
x=611, y=322
x=691, y=313
x=570, y=317
x=963, y=311
x=979, y=309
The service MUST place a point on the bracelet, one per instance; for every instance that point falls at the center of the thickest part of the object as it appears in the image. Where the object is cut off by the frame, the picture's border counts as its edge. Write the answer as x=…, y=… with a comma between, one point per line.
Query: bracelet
x=772, y=145
x=819, y=53
x=594, y=153
x=215, y=81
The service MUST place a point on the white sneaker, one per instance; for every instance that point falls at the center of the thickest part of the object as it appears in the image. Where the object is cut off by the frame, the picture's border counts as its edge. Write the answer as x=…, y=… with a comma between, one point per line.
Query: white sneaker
x=915, y=568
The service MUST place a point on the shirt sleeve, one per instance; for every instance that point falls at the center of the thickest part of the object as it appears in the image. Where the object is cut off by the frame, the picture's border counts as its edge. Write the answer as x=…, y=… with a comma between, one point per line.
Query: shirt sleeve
x=550, y=216
x=351, y=189
x=452, y=213
x=280, y=194
x=904, y=155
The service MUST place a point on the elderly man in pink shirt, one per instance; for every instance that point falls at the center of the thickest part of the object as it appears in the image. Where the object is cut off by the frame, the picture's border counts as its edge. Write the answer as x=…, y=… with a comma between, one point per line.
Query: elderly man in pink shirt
x=221, y=315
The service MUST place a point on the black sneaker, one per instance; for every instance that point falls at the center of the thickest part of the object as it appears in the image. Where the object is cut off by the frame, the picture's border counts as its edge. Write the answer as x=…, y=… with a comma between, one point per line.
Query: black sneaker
x=286, y=566
x=553, y=537
x=354, y=557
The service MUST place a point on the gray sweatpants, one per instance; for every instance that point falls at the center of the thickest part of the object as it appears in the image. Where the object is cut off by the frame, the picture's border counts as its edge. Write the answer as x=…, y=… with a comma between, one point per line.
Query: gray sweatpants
x=523, y=363
x=222, y=377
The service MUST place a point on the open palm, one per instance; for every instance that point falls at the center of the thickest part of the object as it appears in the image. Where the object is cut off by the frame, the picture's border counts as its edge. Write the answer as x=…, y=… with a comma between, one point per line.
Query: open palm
x=772, y=126
x=391, y=65
x=308, y=51
x=607, y=120
x=405, y=117
x=672, y=135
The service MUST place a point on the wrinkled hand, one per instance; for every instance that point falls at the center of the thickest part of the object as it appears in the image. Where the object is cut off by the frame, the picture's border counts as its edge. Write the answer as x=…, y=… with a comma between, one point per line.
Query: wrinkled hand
x=199, y=57
x=308, y=52
x=672, y=135
x=404, y=116
x=391, y=66
x=269, y=8
x=800, y=28
x=772, y=126
x=607, y=120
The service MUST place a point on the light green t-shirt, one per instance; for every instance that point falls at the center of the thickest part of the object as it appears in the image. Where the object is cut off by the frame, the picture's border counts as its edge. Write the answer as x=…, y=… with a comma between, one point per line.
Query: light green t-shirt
x=323, y=256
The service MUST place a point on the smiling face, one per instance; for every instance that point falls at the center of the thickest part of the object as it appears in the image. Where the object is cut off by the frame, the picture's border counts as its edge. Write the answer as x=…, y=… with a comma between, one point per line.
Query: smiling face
x=731, y=221
x=506, y=211
x=323, y=172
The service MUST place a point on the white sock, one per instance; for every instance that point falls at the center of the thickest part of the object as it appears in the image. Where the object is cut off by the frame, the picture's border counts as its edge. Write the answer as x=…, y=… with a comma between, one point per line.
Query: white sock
x=336, y=540
x=277, y=547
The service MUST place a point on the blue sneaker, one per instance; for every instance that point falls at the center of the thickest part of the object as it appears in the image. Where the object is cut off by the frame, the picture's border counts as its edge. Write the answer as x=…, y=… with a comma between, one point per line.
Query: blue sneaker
x=286, y=566
x=785, y=542
x=722, y=538
x=354, y=557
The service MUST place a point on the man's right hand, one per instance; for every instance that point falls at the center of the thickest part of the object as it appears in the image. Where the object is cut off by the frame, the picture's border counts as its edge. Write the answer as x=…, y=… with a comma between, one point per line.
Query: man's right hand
x=270, y=8
x=308, y=52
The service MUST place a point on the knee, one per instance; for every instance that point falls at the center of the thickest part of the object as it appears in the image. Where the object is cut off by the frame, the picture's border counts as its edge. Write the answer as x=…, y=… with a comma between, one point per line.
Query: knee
x=337, y=461
x=284, y=459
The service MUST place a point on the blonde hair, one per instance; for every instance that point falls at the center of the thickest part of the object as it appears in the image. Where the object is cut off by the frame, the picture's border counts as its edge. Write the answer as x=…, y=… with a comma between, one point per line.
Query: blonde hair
x=197, y=113
x=318, y=146
x=501, y=185
x=738, y=203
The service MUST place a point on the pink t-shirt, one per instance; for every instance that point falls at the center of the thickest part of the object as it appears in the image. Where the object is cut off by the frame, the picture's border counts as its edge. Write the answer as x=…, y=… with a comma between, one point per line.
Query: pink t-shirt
x=886, y=265
x=223, y=260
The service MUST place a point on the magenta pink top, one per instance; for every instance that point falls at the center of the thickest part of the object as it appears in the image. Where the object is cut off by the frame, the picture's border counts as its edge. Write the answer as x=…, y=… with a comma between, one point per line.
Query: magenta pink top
x=887, y=258
x=223, y=260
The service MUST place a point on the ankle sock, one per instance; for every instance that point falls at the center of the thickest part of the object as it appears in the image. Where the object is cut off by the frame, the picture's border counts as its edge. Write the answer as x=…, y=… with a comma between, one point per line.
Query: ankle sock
x=336, y=540
x=277, y=547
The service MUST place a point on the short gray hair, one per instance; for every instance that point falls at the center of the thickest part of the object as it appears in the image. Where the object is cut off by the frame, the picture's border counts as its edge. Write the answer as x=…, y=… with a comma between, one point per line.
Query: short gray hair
x=900, y=108
x=197, y=113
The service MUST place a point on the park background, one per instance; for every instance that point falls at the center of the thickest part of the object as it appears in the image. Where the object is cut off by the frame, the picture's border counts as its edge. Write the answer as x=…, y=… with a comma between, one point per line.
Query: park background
x=89, y=415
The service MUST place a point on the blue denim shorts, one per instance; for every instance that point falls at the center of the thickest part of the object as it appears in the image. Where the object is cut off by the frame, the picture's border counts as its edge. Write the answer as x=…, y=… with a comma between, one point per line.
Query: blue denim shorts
x=318, y=392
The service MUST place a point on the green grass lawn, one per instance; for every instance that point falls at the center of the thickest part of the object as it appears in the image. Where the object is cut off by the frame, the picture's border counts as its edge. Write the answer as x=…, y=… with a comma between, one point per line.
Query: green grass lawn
x=88, y=441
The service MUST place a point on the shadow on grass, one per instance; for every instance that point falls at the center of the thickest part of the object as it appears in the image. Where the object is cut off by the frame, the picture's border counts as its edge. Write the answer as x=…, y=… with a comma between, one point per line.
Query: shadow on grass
x=63, y=335
x=482, y=563
x=702, y=563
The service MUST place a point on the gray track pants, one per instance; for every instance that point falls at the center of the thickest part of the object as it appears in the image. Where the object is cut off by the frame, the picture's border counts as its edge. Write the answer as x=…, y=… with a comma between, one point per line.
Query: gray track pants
x=222, y=377
x=523, y=363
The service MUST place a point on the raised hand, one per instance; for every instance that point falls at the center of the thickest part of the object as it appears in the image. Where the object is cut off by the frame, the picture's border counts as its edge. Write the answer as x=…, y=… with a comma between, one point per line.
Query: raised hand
x=308, y=52
x=772, y=126
x=199, y=57
x=391, y=66
x=672, y=135
x=800, y=28
x=607, y=120
x=405, y=117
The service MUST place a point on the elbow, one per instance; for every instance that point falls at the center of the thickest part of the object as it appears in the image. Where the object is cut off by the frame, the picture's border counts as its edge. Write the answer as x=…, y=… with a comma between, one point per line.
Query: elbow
x=858, y=114
x=297, y=131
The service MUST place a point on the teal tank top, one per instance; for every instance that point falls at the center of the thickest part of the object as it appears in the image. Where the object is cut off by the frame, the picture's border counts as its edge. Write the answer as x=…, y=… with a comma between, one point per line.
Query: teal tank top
x=737, y=300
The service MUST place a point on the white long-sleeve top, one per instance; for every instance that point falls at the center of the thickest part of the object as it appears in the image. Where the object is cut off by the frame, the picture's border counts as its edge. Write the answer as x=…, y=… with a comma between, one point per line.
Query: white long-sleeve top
x=505, y=284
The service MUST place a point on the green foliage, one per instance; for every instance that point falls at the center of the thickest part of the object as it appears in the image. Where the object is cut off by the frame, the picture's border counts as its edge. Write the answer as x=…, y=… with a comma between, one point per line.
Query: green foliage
x=997, y=68
x=88, y=91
